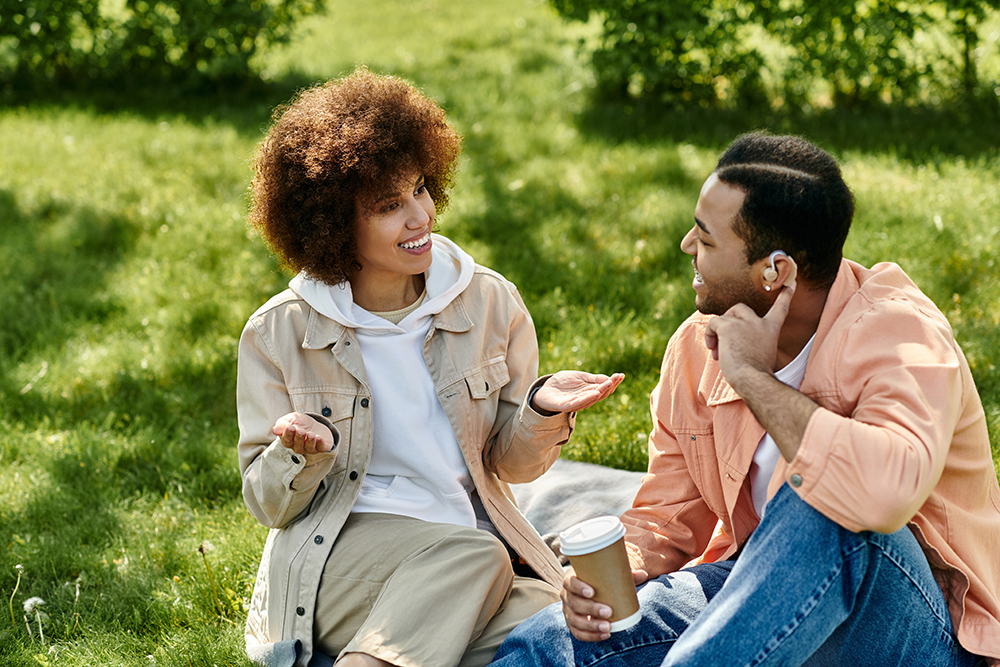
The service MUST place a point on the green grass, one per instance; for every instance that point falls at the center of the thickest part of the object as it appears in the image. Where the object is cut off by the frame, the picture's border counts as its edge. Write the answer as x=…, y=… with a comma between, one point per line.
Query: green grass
x=127, y=274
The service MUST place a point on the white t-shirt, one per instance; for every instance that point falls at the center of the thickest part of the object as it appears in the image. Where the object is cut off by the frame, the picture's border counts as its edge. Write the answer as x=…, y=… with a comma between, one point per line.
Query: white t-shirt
x=766, y=458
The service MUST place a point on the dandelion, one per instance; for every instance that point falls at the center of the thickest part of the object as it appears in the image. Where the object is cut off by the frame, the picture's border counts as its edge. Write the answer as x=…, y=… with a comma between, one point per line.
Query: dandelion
x=20, y=569
x=31, y=605
x=204, y=548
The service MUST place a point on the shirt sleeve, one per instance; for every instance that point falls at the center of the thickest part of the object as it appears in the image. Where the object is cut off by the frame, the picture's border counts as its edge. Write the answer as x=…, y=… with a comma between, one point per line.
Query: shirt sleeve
x=278, y=484
x=523, y=443
x=874, y=451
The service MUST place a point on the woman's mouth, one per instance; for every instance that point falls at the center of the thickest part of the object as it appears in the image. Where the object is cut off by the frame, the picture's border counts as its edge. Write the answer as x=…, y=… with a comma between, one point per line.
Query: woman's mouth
x=416, y=243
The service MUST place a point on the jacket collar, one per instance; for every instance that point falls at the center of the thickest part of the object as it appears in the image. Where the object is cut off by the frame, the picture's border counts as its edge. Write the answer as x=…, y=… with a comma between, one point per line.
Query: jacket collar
x=322, y=332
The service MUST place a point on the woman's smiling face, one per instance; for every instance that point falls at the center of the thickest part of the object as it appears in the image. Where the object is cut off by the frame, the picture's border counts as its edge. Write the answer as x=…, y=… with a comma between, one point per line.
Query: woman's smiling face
x=393, y=232
x=722, y=277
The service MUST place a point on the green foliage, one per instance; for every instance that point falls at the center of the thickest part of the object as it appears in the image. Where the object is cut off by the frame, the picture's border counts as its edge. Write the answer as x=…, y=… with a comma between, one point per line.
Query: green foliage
x=686, y=51
x=861, y=50
x=66, y=42
x=827, y=52
x=38, y=36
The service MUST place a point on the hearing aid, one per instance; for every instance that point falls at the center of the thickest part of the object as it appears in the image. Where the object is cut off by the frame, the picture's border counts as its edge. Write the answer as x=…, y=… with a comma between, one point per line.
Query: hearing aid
x=771, y=273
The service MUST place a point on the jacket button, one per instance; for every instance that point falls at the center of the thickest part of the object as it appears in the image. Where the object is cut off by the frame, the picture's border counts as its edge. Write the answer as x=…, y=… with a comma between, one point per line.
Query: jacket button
x=318, y=539
x=300, y=611
x=353, y=475
x=796, y=480
x=327, y=411
x=295, y=459
x=364, y=402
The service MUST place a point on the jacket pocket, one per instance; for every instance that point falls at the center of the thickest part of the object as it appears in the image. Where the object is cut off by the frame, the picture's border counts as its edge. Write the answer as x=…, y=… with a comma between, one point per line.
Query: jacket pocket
x=488, y=379
x=336, y=409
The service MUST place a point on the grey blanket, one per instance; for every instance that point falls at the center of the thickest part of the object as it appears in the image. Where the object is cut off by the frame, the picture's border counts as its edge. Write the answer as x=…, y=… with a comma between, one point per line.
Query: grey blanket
x=571, y=492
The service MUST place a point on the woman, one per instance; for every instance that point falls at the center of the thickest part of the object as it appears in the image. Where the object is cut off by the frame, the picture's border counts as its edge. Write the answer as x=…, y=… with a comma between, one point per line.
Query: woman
x=386, y=399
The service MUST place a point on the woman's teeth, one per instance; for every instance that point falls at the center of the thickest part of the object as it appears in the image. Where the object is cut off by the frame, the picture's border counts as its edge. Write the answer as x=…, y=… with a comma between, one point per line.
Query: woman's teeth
x=410, y=245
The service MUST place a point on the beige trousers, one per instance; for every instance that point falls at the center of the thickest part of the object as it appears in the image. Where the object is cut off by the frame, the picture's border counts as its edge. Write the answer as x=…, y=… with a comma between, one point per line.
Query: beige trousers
x=421, y=594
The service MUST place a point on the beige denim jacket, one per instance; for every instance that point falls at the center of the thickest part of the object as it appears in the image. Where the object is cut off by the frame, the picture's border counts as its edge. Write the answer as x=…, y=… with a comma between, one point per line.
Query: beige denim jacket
x=900, y=439
x=483, y=357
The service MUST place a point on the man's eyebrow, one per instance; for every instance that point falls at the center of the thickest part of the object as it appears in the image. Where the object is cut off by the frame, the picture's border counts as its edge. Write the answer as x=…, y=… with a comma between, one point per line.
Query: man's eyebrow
x=701, y=226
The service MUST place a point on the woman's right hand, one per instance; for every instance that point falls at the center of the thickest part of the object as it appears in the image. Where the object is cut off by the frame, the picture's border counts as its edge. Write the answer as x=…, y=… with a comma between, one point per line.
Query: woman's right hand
x=302, y=434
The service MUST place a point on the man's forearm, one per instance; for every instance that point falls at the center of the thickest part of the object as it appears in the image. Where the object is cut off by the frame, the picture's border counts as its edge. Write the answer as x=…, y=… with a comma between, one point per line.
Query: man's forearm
x=782, y=411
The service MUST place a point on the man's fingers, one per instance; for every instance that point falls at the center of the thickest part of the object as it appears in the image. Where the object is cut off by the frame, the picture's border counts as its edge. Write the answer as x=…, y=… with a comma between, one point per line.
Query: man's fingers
x=779, y=309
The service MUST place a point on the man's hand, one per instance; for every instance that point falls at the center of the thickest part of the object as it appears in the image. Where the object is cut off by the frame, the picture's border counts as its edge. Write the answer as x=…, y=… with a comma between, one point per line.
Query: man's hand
x=746, y=347
x=743, y=342
x=302, y=434
x=587, y=619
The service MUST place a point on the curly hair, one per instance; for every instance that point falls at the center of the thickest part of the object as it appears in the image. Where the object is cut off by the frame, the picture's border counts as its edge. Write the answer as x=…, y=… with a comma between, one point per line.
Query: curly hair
x=796, y=200
x=334, y=148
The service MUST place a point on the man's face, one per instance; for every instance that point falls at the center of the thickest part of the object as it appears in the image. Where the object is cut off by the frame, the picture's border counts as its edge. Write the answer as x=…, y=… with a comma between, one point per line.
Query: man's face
x=722, y=277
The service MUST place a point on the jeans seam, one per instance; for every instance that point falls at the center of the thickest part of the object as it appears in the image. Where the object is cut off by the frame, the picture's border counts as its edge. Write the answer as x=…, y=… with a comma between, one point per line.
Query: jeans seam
x=624, y=651
x=776, y=640
x=892, y=558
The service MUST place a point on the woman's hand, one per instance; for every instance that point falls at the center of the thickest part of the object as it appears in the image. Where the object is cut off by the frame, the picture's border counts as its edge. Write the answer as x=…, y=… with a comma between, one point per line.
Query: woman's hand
x=586, y=618
x=571, y=391
x=302, y=434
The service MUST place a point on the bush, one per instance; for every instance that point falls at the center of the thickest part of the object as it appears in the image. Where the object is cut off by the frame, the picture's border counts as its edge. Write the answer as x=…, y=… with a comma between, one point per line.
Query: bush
x=862, y=52
x=66, y=42
x=689, y=50
x=845, y=52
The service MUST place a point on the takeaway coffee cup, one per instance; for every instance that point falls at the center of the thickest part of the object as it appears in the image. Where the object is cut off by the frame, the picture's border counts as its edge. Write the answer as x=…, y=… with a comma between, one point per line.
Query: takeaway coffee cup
x=596, y=550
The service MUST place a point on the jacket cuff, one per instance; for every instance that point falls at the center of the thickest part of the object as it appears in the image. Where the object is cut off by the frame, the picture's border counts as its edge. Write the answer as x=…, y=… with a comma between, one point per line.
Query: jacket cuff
x=541, y=423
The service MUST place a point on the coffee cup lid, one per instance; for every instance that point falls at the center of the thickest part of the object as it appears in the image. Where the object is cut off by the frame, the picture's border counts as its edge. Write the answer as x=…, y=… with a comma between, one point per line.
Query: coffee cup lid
x=591, y=535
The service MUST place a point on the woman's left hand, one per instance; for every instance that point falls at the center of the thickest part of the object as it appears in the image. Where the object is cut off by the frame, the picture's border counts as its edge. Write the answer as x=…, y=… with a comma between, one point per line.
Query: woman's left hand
x=571, y=391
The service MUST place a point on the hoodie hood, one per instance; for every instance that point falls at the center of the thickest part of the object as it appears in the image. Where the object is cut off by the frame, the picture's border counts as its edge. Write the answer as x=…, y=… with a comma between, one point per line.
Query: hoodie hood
x=450, y=272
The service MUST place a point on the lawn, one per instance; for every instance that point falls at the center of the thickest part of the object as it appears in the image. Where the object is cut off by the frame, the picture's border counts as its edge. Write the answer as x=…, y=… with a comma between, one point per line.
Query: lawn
x=127, y=273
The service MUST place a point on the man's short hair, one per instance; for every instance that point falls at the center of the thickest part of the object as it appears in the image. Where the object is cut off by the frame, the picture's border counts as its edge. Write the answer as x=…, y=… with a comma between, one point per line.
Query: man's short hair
x=796, y=200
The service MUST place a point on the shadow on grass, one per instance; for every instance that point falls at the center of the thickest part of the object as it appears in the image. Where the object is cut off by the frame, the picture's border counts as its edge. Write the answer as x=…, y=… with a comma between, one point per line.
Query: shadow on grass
x=54, y=262
x=582, y=271
x=915, y=134
x=246, y=107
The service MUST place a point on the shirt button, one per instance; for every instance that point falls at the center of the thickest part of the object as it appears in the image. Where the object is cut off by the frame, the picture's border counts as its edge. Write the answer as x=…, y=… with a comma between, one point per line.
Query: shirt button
x=300, y=611
x=796, y=480
x=318, y=539
x=295, y=459
x=353, y=475
x=327, y=411
x=364, y=402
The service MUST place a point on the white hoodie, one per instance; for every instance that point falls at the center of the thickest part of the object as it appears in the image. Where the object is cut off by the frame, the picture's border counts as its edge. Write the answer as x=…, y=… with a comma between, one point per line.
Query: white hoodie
x=417, y=468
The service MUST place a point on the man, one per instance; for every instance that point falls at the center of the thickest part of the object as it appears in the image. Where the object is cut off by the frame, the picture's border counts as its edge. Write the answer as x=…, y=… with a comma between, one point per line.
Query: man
x=818, y=446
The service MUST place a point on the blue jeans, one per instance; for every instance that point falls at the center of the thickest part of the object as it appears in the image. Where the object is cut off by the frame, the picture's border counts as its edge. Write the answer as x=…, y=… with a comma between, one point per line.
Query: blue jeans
x=804, y=591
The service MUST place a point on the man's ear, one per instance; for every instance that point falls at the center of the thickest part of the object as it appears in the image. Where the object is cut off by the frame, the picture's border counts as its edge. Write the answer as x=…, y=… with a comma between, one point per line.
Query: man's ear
x=779, y=263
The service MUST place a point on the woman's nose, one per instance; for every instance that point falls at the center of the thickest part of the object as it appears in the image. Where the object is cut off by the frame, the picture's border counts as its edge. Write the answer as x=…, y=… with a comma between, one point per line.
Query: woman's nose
x=418, y=215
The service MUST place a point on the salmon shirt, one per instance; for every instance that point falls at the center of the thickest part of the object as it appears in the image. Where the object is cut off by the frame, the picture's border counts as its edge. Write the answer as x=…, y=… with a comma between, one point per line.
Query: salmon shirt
x=899, y=439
